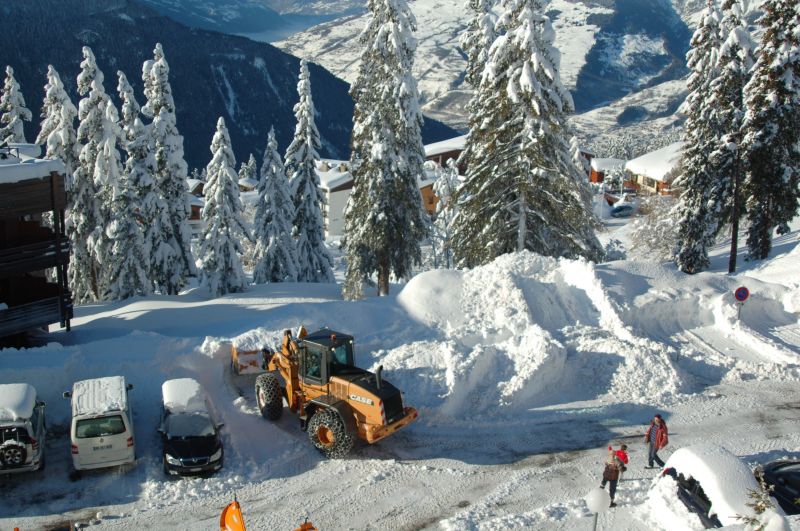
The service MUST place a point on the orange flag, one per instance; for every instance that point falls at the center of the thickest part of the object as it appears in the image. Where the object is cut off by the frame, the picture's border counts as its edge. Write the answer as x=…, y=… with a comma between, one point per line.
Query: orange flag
x=231, y=518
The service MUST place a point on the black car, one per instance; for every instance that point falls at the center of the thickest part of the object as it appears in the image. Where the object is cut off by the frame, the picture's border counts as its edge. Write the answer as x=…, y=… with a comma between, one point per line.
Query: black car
x=622, y=211
x=189, y=433
x=691, y=494
x=784, y=476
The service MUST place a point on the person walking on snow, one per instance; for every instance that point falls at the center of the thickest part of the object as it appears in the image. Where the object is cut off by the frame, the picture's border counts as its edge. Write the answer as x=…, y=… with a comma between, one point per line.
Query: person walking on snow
x=657, y=438
x=622, y=455
x=613, y=468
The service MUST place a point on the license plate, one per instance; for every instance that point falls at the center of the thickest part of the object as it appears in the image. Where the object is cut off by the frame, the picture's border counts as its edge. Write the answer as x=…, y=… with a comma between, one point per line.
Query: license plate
x=103, y=447
x=195, y=469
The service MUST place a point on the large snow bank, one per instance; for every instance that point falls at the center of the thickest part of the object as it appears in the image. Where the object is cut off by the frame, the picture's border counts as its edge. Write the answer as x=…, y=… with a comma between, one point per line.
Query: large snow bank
x=17, y=401
x=518, y=331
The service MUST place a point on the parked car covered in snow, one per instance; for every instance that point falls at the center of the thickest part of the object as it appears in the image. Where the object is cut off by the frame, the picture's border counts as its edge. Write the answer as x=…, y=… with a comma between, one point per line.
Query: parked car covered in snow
x=22, y=429
x=784, y=477
x=101, y=430
x=189, y=429
x=706, y=486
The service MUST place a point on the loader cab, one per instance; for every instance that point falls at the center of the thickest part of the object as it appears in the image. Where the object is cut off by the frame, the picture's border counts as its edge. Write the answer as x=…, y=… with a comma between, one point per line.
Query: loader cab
x=326, y=353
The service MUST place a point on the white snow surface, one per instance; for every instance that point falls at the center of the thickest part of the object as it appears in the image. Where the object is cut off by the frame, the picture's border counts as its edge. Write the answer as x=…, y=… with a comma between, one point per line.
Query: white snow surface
x=523, y=370
x=601, y=164
x=657, y=164
x=17, y=401
x=183, y=395
x=99, y=395
x=14, y=170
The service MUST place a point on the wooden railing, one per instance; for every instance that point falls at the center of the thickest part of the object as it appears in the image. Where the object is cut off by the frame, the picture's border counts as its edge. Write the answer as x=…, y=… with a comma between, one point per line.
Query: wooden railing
x=32, y=315
x=34, y=257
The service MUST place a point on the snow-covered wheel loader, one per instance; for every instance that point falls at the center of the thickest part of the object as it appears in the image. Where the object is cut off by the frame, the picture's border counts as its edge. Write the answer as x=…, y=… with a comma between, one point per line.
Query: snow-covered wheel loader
x=336, y=401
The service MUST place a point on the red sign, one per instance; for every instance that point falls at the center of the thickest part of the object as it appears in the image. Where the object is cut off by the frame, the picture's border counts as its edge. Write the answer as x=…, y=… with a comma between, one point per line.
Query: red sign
x=741, y=294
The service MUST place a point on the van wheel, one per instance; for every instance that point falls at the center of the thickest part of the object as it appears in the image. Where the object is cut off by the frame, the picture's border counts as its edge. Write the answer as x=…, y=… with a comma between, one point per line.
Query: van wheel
x=269, y=396
x=329, y=435
x=13, y=454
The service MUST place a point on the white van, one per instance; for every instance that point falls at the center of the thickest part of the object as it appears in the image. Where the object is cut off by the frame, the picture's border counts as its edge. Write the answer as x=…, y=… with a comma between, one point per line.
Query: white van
x=101, y=431
x=22, y=429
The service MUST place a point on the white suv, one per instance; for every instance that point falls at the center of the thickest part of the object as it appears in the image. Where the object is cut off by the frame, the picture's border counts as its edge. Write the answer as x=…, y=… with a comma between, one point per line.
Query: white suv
x=101, y=431
x=22, y=429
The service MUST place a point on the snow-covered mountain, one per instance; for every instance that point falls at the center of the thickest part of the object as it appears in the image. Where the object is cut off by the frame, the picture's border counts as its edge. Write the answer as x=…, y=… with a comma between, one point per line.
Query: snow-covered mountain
x=608, y=49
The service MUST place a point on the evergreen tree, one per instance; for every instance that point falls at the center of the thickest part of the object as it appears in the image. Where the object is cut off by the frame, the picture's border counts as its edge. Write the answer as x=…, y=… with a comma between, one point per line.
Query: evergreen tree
x=384, y=220
x=130, y=108
x=171, y=168
x=698, y=217
x=734, y=61
x=581, y=176
x=314, y=264
x=275, y=257
x=14, y=112
x=772, y=125
x=57, y=132
x=446, y=188
x=220, y=244
x=83, y=221
x=520, y=189
x=247, y=172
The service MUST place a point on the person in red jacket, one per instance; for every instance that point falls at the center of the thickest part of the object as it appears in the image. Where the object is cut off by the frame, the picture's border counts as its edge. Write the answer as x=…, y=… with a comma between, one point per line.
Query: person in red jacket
x=657, y=438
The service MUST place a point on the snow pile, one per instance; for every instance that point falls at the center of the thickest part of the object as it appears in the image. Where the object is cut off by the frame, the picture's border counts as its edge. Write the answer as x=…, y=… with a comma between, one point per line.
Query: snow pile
x=519, y=330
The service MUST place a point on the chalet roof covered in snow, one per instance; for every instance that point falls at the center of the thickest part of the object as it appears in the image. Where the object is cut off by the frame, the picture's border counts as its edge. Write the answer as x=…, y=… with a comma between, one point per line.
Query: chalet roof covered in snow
x=604, y=165
x=16, y=401
x=99, y=395
x=194, y=184
x=444, y=146
x=657, y=164
x=19, y=163
x=333, y=174
x=248, y=182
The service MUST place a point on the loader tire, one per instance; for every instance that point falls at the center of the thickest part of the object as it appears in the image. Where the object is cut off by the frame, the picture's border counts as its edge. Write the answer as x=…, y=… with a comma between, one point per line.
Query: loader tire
x=329, y=435
x=13, y=454
x=269, y=396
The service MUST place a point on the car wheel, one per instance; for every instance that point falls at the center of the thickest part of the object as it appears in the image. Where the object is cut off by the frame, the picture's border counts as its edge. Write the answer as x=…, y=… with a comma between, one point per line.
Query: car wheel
x=329, y=435
x=13, y=454
x=269, y=396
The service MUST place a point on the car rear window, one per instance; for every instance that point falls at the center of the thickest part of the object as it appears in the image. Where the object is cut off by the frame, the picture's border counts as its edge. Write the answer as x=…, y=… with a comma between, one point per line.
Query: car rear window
x=16, y=433
x=99, y=427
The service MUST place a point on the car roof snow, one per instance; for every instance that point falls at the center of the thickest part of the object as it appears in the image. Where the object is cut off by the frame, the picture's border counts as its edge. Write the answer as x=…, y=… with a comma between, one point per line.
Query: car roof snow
x=183, y=395
x=99, y=395
x=16, y=401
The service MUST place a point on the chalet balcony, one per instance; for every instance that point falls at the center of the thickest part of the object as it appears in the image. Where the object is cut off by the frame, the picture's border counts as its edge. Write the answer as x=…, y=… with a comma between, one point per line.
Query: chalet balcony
x=33, y=315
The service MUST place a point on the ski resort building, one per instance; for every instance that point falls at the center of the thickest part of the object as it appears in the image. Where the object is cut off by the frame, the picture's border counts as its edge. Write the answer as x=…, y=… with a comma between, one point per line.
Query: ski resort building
x=441, y=152
x=599, y=168
x=30, y=187
x=654, y=172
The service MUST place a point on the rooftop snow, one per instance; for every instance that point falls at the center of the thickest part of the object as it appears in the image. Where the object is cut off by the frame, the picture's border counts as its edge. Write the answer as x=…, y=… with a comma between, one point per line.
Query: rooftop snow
x=333, y=177
x=17, y=401
x=657, y=164
x=183, y=394
x=14, y=170
x=99, y=395
x=606, y=164
x=452, y=144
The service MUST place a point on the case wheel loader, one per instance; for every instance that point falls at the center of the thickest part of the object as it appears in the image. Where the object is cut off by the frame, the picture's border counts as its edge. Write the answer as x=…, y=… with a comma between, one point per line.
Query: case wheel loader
x=336, y=401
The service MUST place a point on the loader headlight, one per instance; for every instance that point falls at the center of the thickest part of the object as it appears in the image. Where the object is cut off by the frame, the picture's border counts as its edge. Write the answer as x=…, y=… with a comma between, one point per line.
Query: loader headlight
x=217, y=455
x=172, y=460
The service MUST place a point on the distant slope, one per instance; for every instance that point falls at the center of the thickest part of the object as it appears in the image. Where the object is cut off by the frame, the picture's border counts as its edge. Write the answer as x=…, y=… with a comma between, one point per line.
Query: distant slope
x=252, y=85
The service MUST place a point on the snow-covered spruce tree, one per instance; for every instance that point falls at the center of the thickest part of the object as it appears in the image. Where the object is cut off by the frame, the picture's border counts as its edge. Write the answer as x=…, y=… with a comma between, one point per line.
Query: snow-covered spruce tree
x=699, y=216
x=83, y=218
x=314, y=264
x=275, y=257
x=384, y=220
x=247, y=171
x=171, y=168
x=14, y=112
x=582, y=175
x=734, y=61
x=445, y=187
x=57, y=133
x=220, y=242
x=520, y=189
x=772, y=127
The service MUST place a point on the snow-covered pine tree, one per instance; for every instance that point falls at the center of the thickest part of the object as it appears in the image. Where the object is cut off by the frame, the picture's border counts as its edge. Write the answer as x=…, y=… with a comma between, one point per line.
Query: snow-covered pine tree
x=520, y=189
x=83, y=217
x=220, y=243
x=314, y=264
x=171, y=168
x=582, y=175
x=772, y=125
x=275, y=257
x=14, y=112
x=446, y=188
x=57, y=132
x=734, y=61
x=698, y=217
x=384, y=220
x=248, y=170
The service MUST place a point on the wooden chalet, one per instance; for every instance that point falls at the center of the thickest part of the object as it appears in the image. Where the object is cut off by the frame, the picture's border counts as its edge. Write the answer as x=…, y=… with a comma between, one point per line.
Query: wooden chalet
x=599, y=168
x=29, y=297
x=654, y=172
x=441, y=152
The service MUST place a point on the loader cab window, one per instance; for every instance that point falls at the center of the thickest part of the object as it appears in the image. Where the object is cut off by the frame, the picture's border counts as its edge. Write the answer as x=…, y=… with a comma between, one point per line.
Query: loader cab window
x=341, y=359
x=312, y=363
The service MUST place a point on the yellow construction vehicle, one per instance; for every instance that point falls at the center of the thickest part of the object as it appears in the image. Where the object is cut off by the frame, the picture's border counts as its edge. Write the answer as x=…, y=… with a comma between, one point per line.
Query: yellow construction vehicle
x=335, y=400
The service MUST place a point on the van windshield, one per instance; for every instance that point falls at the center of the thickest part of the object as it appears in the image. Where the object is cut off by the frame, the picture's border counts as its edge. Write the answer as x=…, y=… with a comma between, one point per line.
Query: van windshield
x=99, y=427
x=189, y=425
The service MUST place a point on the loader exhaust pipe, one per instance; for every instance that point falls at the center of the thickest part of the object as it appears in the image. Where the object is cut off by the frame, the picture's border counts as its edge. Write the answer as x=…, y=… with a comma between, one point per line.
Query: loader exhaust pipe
x=378, y=378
